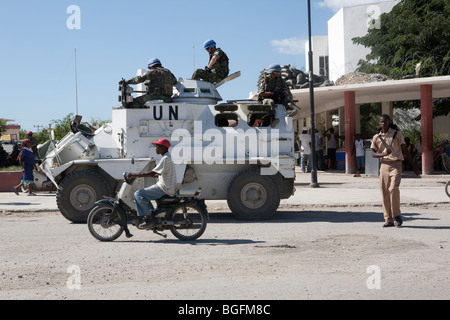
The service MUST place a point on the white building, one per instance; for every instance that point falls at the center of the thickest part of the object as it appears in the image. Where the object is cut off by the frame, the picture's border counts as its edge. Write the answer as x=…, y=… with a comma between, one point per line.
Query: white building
x=336, y=55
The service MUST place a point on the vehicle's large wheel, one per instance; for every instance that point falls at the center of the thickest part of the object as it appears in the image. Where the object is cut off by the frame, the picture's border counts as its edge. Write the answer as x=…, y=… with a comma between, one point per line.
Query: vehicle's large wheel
x=78, y=193
x=252, y=196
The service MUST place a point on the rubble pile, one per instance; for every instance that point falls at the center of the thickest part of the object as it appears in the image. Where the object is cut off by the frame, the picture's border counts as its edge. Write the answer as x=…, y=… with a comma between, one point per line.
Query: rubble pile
x=360, y=77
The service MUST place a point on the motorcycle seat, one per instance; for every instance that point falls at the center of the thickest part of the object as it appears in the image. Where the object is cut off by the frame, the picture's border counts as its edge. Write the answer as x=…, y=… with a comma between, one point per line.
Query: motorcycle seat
x=167, y=199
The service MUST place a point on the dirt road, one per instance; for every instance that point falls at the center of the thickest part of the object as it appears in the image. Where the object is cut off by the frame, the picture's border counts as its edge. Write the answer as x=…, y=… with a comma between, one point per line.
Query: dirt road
x=314, y=253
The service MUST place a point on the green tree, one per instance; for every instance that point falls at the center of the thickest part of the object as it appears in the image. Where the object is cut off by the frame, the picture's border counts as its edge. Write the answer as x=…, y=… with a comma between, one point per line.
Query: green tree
x=61, y=127
x=2, y=126
x=415, y=33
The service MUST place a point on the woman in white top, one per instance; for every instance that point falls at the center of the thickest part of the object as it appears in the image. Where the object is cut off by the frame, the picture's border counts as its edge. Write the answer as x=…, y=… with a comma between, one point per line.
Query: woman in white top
x=331, y=148
x=359, y=151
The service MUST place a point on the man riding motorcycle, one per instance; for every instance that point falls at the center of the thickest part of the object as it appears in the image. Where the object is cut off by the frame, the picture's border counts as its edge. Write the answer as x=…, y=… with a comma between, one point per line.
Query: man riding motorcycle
x=166, y=185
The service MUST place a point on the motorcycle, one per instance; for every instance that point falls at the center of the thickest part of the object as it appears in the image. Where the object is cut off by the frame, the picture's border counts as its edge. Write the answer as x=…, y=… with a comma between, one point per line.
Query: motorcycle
x=185, y=215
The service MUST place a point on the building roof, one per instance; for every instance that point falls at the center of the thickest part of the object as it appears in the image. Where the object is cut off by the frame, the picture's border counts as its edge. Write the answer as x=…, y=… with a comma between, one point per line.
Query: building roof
x=332, y=97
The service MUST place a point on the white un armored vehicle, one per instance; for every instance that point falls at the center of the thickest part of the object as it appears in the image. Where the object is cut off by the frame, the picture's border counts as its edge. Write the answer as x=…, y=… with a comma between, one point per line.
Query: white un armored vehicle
x=241, y=151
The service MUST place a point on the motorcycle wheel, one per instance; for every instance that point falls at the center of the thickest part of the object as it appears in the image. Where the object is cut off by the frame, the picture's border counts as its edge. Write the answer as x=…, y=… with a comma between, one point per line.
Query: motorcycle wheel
x=189, y=222
x=101, y=226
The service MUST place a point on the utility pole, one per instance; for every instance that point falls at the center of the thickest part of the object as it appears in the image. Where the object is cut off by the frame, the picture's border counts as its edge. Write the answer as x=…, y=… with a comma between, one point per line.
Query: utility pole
x=313, y=183
x=193, y=56
x=38, y=128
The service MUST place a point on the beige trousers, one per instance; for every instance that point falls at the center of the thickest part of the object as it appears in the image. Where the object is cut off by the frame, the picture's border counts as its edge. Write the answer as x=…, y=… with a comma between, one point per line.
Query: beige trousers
x=390, y=177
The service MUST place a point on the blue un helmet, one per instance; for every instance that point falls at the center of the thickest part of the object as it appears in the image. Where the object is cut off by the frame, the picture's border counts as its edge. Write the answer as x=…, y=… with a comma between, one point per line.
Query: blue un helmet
x=209, y=44
x=154, y=62
x=273, y=67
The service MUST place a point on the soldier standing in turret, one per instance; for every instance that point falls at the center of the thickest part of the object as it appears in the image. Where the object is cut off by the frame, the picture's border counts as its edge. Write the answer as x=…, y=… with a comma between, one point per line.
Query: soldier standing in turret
x=159, y=87
x=273, y=89
x=217, y=68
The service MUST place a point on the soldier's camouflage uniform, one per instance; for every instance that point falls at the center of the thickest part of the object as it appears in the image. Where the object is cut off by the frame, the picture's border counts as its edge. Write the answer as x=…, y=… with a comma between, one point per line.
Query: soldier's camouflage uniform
x=159, y=86
x=282, y=94
x=219, y=70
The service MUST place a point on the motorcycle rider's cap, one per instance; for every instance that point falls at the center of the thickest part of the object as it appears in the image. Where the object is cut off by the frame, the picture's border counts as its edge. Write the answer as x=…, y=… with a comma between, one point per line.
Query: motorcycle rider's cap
x=163, y=142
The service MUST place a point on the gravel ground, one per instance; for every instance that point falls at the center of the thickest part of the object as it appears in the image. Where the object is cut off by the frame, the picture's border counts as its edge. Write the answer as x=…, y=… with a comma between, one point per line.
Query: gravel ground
x=303, y=253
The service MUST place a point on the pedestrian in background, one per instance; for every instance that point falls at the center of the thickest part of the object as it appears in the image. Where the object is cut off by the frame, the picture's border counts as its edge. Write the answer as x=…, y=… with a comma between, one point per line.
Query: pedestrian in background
x=305, y=147
x=319, y=151
x=27, y=162
x=358, y=150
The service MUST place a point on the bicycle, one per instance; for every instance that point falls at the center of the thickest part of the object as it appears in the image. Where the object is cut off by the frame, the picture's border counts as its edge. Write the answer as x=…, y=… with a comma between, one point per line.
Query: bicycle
x=446, y=163
x=447, y=188
x=441, y=161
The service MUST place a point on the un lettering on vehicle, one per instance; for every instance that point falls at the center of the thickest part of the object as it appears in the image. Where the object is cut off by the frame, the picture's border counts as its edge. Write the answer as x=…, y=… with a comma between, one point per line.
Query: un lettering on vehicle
x=166, y=117
x=170, y=112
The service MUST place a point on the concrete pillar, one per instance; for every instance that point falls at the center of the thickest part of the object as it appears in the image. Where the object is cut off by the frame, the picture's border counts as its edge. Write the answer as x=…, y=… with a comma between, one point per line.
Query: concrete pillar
x=341, y=128
x=387, y=107
x=328, y=120
x=318, y=121
x=426, y=101
x=328, y=125
x=350, y=127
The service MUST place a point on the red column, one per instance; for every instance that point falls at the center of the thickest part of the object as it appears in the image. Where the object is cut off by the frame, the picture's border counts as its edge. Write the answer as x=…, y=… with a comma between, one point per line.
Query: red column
x=350, y=128
x=426, y=100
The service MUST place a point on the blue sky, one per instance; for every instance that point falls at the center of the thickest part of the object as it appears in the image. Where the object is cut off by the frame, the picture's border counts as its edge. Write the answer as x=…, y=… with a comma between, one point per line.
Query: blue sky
x=116, y=38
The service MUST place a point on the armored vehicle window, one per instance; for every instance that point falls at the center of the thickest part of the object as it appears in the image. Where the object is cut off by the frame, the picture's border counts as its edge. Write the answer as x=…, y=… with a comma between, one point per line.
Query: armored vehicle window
x=189, y=90
x=226, y=120
x=205, y=90
x=257, y=119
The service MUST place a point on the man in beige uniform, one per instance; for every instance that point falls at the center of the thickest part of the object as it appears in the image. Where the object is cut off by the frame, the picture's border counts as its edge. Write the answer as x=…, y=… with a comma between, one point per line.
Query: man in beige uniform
x=389, y=146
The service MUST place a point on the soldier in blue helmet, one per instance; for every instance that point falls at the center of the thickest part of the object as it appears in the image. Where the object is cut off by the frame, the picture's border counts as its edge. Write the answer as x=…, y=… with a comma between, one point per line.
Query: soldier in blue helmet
x=217, y=68
x=159, y=86
x=273, y=89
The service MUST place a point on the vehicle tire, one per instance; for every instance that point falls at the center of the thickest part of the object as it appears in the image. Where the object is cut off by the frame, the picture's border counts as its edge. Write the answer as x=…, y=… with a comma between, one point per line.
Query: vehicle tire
x=189, y=221
x=447, y=188
x=78, y=193
x=252, y=196
x=100, y=226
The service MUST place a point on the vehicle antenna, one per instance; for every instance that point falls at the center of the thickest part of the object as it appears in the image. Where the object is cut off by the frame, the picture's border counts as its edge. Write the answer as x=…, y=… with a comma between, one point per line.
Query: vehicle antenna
x=76, y=83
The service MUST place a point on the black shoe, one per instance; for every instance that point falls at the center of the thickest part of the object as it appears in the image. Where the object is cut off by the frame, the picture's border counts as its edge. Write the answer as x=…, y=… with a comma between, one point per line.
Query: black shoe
x=137, y=221
x=398, y=221
x=148, y=223
x=388, y=224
